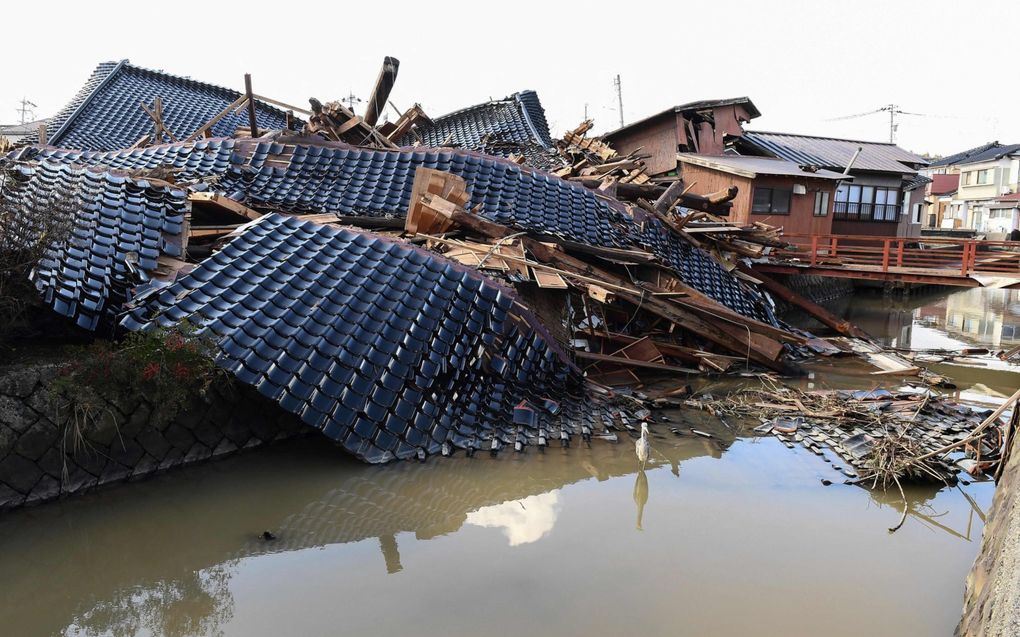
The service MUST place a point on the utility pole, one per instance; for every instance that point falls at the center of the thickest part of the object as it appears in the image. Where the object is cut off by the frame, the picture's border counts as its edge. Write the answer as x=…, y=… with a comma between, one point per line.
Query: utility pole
x=586, y=111
x=619, y=97
x=26, y=108
x=892, y=123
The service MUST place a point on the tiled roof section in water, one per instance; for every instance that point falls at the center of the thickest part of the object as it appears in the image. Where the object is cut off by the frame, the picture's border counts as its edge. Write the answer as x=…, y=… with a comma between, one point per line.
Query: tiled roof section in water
x=106, y=113
x=513, y=125
x=388, y=349
x=118, y=229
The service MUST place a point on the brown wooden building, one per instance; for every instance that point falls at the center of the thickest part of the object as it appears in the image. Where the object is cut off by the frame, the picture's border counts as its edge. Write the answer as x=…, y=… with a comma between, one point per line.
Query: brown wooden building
x=697, y=127
x=774, y=191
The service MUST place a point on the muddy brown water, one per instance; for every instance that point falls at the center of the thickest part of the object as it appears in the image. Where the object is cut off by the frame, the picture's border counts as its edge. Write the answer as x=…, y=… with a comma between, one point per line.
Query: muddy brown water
x=723, y=536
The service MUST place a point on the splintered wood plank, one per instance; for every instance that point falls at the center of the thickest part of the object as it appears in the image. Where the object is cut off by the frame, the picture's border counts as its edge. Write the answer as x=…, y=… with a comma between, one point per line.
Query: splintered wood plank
x=224, y=203
x=546, y=279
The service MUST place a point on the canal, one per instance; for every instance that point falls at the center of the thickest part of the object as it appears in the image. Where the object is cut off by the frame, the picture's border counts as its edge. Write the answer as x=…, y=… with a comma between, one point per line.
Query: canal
x=732, y=535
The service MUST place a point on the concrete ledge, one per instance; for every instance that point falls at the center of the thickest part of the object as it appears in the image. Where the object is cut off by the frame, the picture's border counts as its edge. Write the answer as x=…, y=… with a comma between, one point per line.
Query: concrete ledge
x=46, y=453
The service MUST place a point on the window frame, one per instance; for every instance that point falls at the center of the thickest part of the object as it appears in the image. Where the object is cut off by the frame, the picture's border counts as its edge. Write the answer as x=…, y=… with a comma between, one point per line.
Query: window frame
x=771, y=200
x=821, y=197
x=861, y=203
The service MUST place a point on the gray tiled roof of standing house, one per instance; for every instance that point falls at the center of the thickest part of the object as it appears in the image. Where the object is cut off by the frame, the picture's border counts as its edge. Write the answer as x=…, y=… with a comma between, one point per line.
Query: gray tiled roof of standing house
x=991, y=151
x=389, y=349
x=829, y=152
x=513, y=125
x=87, y=277
x=106, y=113
x=335, y=177
x=915, y=182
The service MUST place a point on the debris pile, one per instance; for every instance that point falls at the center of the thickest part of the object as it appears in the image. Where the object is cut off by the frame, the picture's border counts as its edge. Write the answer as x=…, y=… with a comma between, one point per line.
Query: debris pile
x=877, y=436
x=408, y=287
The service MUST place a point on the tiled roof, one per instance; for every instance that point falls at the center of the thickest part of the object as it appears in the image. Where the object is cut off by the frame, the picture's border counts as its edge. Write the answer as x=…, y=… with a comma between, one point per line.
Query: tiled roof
x=201, y=159
x=985, y=152
x=106, y=113
x=833, y=153
x=513, y=125
x=915, y=181
x=386, y=348
x=300, y=177
x=115, y=220
x=945, y=184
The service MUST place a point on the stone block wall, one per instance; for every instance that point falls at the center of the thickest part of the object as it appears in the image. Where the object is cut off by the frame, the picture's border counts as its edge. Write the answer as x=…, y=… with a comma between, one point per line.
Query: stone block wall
x=818, y=288
x=46, y=452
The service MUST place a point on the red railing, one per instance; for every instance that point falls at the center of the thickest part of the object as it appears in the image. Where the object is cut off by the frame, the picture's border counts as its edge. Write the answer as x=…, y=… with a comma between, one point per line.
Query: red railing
x=886, y=254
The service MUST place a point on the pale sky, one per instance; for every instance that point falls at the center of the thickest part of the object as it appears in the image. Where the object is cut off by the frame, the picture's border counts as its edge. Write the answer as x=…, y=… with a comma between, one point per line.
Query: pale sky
x=801, y=62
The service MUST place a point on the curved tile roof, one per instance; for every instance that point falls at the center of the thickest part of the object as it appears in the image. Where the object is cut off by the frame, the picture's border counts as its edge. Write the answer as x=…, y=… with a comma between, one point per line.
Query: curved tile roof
x=390, y=350
x=105, y=114
x=113, y=220
x=513, y=125
x=296, y=176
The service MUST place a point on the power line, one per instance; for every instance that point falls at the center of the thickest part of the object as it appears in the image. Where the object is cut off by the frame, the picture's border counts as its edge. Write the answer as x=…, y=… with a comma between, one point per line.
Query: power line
x=893, y=111
x=26, y=110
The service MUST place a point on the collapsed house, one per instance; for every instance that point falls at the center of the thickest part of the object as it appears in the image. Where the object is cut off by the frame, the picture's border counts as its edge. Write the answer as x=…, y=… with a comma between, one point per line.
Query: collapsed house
x=403, y=299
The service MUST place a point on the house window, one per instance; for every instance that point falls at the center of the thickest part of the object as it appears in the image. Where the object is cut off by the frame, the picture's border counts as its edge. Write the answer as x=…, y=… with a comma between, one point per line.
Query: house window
x=821, y=203
x=968, y=177
x=984, y=177
x=918, y=212
x=866, y=203
x=771, y=201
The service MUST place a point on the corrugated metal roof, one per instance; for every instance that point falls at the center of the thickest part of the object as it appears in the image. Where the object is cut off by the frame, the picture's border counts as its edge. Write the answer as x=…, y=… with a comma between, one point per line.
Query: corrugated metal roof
x=834, y=153
x=750, y=166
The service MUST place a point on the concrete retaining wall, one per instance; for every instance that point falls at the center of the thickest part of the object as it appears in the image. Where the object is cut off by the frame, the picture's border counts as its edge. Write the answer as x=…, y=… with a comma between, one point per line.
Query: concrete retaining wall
x=991, y=605
x=44, y=454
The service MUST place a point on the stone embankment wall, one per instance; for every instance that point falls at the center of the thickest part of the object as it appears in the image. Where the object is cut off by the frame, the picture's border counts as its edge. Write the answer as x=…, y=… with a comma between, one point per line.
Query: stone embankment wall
x=47, y=452
x=991, y=605
x=818, y=288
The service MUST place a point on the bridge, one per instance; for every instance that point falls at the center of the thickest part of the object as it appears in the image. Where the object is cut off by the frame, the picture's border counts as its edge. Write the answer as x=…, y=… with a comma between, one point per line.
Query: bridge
x=922, y=260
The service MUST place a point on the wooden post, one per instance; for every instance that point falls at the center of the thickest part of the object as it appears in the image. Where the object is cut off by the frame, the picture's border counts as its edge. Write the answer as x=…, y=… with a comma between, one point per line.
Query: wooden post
x=899, y=254
x=832, y=246
x=42, y=134
x=252, y=123
x=886, y=245
x=814, y=249
x=157, y=106
x=290, y=120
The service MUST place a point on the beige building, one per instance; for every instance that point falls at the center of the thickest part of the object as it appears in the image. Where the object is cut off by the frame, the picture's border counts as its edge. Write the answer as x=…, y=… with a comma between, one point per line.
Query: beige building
x=989, y=176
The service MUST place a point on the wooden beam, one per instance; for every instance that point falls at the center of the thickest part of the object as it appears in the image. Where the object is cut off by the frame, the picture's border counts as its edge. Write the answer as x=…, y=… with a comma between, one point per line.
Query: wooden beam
x=252, y=122
x=629, y=362
x=224, y=203
x=823, y=315
x=216, y=119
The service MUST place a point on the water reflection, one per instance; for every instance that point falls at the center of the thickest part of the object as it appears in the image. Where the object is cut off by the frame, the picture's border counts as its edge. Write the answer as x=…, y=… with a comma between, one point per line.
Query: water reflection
x=157, y=557
x=965, y=317
x=523, y=521
x=640, y=496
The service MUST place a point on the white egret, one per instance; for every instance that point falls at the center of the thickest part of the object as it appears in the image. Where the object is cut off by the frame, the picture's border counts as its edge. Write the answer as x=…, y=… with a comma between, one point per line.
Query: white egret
x=641, y=446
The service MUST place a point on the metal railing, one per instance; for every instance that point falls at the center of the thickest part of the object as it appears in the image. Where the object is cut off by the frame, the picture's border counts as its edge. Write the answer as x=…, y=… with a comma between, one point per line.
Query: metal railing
x=886, y=254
